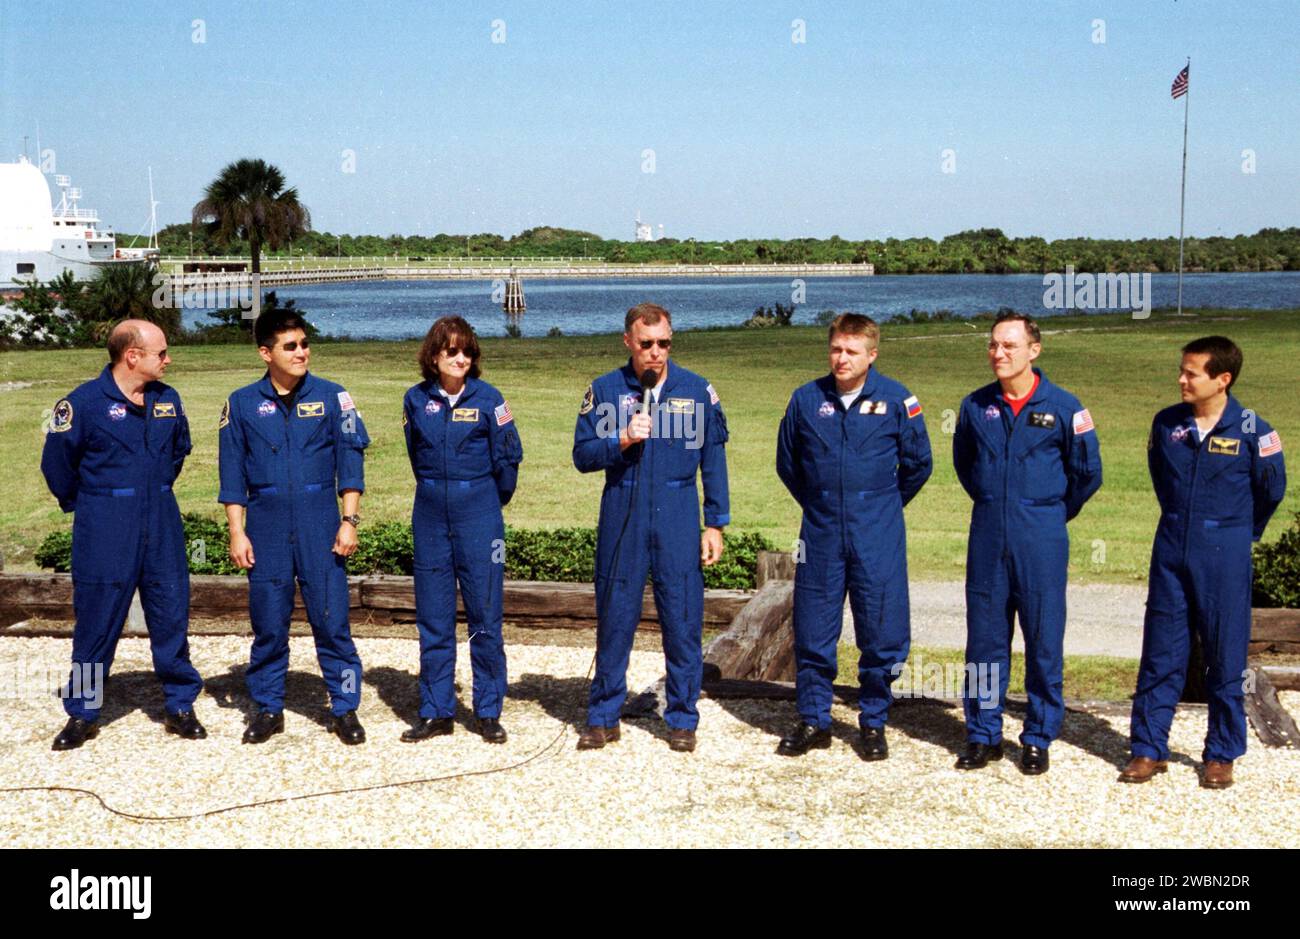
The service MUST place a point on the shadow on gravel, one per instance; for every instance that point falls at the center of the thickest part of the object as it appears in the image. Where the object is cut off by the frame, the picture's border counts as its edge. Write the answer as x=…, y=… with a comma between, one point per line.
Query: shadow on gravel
x=937, y=722
x=399, y=690
x=304, y=694
x=564, y=699
x=125, y=692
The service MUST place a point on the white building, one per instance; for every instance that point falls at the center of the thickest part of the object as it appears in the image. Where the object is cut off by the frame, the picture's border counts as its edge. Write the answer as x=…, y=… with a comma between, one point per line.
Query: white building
x=645, y=231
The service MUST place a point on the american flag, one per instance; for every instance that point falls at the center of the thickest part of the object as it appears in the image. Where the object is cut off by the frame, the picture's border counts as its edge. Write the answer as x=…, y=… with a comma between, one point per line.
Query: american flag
x=1270, y=444
x=1082, y=422
x=503, y=414
x=1179, y=87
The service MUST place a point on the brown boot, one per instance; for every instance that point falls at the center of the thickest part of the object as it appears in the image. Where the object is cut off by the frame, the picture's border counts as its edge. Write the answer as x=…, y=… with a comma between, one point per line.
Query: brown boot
x=593, y=737
x=1216, y=775
x=1140, y=769
x=683, y=741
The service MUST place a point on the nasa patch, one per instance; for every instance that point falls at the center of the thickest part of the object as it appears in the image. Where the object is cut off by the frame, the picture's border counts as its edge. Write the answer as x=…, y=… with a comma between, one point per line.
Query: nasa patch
x=116, y=412
x=433, y=407
x=266, y=409
x=992, y=412
x=1179, y=434
x=826, y=409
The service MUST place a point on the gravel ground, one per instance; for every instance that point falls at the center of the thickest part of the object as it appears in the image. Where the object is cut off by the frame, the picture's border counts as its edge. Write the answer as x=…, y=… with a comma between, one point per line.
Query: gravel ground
x=1104, y=619
x=733, y=791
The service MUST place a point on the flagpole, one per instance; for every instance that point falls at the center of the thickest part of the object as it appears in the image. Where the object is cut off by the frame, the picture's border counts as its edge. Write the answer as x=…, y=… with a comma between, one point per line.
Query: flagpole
x=1182, y=199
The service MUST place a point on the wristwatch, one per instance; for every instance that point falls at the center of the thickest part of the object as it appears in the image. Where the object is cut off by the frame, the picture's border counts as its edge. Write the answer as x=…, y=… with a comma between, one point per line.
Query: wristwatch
x=353, y=520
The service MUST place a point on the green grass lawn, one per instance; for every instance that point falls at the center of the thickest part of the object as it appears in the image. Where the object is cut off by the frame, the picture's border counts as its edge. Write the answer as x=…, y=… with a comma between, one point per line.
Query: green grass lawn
x=1087, y=677
x=1122, y=369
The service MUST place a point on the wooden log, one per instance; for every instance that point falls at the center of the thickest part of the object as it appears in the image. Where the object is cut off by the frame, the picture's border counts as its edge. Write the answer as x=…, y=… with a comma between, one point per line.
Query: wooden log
x=28, y=596
x=547, y=603
x=1283, y=677
x=1275, y=630
x=1275, y=727
x=773, y=565
x=759, y=645
x=378, y=598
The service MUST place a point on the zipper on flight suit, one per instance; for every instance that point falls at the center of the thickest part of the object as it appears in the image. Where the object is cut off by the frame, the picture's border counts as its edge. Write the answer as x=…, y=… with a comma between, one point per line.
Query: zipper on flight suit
x=1191, y=490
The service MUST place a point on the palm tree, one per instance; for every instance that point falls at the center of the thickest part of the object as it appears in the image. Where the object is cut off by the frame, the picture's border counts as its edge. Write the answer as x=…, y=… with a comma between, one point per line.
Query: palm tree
x=249, y=200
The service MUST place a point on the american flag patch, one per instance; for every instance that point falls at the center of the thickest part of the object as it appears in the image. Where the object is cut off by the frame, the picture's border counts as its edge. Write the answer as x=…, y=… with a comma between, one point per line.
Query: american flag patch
x=503, y=414
x=345, y=402
x=1270, y=444
x=713, y=395
x=1082, y=421
x=913, y=406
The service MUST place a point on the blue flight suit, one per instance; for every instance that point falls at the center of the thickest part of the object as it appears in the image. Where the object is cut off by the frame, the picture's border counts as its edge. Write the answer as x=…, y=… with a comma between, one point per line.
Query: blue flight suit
x=1028, y=476
x=285, y=466
x=113, y=464
x=852, y=471
x=658, y=534
x=1216, y=497
x=466, y=463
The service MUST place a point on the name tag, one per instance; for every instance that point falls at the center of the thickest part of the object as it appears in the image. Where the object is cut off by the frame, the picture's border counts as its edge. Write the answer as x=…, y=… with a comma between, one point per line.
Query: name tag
x=468, y=415
x=1228, y=446
x=873, y=407
x=681, y=405
x=164, y=409
x=311, y=408
x=1042, y=419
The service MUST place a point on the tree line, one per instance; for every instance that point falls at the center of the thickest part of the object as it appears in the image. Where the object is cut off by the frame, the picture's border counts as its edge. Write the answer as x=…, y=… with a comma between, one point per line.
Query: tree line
x=982, y=251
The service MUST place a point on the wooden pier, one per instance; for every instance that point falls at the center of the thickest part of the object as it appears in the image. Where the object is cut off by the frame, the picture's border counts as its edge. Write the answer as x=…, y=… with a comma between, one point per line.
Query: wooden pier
x=409, y=272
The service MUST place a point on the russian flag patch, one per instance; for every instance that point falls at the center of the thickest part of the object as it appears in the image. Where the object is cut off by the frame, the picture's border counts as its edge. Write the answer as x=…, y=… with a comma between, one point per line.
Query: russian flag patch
x=913, y=406
x=1082, y=422
x=1270, y=444
x=503, y=414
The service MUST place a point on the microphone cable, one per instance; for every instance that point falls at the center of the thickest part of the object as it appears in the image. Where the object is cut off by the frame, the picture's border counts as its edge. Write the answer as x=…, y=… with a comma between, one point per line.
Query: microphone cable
x=467, y=774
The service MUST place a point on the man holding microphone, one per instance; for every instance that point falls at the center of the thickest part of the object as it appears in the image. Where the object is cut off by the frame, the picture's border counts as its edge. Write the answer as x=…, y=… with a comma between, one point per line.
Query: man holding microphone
x=651, y=426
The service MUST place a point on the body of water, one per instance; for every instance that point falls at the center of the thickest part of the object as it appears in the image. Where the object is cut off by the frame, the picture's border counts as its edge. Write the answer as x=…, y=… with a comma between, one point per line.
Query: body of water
x=405, y=309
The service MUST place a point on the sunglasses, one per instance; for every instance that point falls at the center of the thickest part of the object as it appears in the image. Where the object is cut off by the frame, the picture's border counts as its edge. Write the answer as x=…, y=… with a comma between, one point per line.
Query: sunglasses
x=452, y=351
x=650, y=343
x=293, y=346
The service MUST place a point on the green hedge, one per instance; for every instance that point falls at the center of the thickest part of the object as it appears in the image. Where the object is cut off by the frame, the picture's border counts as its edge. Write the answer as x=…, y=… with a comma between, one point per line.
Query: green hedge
x=563, y=554
x=1277, y=569
x=568, y=554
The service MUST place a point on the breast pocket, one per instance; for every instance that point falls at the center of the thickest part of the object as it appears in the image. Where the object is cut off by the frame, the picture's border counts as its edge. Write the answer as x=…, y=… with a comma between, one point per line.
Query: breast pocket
x=316, y=451
x=472, y=448
x=1043, y=473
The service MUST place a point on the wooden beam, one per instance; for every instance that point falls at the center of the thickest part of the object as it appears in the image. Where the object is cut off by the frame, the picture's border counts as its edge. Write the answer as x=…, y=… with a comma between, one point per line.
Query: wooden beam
x=378, y=598
x=1275, y=727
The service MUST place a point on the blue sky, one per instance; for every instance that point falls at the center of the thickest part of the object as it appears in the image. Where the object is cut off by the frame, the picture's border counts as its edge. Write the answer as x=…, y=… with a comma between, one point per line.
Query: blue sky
x=753, y=135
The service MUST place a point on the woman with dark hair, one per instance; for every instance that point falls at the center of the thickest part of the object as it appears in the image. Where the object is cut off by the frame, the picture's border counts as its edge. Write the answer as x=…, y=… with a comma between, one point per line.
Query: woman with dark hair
x=465, y=453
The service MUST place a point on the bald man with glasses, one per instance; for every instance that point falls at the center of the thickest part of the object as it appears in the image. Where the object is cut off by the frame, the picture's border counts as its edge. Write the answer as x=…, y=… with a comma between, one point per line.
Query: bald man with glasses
x=113, y=449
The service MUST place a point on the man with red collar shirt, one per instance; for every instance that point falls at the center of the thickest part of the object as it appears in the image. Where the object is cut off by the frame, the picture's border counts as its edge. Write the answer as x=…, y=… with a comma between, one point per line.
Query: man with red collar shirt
x=650, y=451
x=288, y=442
x=1218, y=473
x=1026, y=452
x=113, y=449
